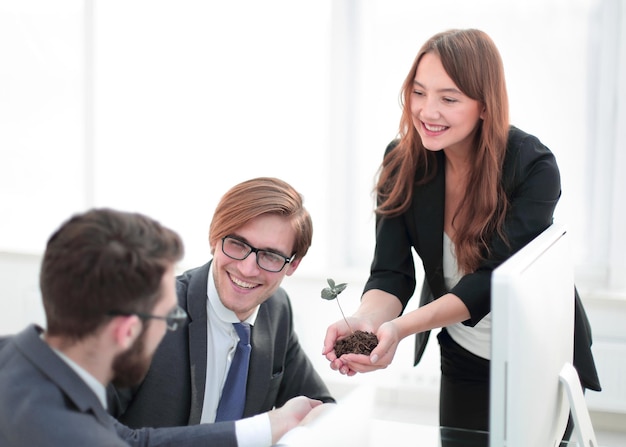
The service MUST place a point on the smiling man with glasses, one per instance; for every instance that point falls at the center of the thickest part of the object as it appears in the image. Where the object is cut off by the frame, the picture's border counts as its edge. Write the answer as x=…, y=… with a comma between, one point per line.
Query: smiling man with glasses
x=259, y=234
x=52, y=381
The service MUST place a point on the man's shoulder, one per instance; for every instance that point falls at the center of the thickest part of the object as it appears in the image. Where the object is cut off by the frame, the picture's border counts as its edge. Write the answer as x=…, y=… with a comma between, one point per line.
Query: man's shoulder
x=5, y=345
x=41, y=402
x=278, y=304
x=187, y=275
x=4, y=340
x=11, y=354
x=196, y=276
x=279, y=298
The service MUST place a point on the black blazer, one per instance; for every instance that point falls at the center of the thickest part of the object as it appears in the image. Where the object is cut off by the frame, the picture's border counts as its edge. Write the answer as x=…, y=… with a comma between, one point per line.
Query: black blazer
x=532, y=183
x=173, y=391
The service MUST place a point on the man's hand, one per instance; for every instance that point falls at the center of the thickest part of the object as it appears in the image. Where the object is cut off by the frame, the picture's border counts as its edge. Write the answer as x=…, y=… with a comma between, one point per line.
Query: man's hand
x=289, y=415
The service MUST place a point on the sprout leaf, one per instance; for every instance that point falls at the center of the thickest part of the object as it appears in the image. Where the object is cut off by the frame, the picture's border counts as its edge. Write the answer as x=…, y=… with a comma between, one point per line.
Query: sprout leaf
x=332, y=291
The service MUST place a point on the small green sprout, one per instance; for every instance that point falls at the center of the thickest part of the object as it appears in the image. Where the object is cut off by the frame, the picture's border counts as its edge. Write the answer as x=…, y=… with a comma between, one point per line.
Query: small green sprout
x=332, y=292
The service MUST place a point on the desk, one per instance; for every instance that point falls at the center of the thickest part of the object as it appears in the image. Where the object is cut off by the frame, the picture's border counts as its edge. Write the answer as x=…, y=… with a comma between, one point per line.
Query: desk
x=390, y=433
x=352, y=422
x=383, y=433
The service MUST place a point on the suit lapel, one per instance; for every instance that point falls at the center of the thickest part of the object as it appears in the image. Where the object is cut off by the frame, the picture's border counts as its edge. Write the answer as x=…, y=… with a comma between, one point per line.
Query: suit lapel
x=428, y=214
x=196, y=305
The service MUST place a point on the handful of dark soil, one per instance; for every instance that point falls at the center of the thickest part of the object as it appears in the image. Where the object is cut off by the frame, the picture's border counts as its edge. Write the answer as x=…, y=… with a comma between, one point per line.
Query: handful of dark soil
x=359, y=342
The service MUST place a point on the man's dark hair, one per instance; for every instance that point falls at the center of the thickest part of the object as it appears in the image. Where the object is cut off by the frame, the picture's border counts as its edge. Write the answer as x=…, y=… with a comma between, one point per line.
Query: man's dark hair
x=100, y=261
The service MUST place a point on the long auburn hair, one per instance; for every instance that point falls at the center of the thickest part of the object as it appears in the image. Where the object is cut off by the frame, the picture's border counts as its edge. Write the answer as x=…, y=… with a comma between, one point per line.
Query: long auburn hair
x=473, y=62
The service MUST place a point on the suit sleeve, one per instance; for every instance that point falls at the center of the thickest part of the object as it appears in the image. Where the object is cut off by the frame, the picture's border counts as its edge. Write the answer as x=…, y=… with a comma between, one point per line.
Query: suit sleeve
x=218, y=434
x=393, y=267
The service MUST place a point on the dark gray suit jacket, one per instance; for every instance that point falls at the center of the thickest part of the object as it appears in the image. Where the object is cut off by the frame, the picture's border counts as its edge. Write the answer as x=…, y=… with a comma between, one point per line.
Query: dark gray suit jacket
x=173, y=391
x=44, y=402
x=531, y=181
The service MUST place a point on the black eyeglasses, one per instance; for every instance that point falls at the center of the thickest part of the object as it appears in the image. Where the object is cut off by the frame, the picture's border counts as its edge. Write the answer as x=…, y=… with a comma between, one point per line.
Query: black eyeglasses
x=175, y=318
x=267, y=260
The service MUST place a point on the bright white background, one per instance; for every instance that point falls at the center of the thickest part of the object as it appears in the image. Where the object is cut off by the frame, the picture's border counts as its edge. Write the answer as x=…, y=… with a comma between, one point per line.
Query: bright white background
x=160, y=106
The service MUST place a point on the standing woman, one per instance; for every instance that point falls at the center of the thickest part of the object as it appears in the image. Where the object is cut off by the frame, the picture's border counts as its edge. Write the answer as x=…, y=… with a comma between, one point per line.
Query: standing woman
x=465, y=190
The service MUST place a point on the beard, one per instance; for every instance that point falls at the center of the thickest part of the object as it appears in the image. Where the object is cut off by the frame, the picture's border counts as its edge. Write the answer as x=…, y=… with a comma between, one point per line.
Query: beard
x=130, y=367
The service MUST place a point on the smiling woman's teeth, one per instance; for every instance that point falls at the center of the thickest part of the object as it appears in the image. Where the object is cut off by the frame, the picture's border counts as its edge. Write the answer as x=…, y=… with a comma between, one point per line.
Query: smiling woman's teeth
x=240, y=283
x=434, y=128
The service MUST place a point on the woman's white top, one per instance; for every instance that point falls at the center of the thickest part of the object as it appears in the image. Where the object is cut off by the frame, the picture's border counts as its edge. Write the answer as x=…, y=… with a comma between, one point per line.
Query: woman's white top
x=477, y=339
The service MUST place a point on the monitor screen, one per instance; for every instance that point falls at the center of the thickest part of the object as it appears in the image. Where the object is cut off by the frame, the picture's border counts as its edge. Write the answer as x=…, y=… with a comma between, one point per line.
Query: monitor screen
x=532, y=339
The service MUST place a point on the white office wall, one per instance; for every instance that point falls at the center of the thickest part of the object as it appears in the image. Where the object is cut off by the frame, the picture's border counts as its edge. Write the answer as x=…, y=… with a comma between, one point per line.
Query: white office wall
x=192, y=97
x=42, y=109
x=160, y=106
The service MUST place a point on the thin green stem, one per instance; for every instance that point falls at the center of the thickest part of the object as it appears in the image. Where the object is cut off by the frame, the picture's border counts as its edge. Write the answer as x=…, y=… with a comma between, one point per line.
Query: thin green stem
x=343, y=315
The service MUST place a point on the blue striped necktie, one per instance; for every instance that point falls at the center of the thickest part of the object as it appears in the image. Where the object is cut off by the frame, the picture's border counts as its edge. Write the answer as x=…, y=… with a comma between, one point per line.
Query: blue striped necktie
x=233, y=397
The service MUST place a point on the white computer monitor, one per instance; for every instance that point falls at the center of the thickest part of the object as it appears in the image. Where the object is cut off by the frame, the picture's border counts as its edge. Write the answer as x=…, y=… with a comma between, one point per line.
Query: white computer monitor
x=532, y=342
x=532, y=338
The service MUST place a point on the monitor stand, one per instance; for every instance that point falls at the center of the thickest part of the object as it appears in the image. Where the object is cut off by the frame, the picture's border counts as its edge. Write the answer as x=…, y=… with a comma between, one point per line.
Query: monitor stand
x=580, y=414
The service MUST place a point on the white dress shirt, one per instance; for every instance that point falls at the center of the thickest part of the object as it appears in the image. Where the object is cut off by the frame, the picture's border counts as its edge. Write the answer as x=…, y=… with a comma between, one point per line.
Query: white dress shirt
x=221, y=344
x=477, y=339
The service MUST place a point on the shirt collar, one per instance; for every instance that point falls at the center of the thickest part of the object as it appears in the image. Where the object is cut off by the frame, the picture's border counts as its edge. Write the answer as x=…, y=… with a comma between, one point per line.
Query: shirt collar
x=98, y=389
